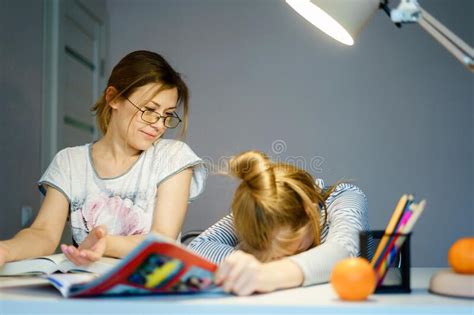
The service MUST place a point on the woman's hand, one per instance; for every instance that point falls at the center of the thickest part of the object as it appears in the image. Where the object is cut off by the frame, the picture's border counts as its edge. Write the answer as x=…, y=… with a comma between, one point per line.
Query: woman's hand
x=91, y=249
x=3, y=254
x=243, y=274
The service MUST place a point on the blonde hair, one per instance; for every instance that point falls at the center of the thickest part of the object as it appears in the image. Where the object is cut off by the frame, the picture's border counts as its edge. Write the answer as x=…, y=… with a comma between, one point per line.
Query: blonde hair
x=135, y=70
x=274, y=197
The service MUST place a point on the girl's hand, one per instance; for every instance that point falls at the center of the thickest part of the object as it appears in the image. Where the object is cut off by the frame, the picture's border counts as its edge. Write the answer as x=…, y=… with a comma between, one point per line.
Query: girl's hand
x=243, y=274
x=91, y=249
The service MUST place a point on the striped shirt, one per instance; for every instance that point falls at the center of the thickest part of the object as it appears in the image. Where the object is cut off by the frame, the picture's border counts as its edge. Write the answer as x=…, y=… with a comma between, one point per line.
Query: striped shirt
x=346, y=217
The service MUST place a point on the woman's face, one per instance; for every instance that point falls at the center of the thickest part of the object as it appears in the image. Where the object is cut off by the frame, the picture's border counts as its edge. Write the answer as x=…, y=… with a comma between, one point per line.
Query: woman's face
x=138, y=133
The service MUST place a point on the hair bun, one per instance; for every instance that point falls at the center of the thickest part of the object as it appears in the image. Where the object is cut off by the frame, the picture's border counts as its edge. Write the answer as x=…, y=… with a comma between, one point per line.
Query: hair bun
x=256, y=170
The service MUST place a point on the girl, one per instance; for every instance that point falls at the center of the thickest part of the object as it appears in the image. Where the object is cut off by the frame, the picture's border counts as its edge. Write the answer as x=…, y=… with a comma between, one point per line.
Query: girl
x=128, y=183
x=284, y=230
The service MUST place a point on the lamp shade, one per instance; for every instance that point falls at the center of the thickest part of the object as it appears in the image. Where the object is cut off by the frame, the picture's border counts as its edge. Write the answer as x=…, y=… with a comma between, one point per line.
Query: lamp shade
x=340, y=19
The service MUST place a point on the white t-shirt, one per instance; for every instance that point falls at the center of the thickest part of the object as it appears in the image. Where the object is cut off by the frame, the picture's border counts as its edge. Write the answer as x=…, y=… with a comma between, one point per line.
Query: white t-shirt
x=125, y=203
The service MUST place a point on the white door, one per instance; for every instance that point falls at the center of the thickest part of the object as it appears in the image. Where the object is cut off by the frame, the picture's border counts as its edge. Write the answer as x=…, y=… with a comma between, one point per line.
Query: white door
x=74, y=74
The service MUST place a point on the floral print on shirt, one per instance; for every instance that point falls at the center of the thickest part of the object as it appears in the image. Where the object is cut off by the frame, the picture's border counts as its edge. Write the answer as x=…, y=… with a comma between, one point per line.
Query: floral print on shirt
x=120, y=215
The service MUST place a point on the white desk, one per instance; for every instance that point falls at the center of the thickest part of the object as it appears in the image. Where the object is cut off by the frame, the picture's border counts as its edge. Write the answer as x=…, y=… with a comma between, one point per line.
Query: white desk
x=20, y=296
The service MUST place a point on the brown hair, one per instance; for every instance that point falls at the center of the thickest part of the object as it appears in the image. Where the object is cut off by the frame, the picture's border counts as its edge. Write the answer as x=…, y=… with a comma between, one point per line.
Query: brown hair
x=138, y=69
x=274, y=196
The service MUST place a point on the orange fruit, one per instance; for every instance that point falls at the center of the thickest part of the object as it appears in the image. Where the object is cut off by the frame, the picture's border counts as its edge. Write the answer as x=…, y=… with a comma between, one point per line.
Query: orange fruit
x=461, y=255
x=353, y=279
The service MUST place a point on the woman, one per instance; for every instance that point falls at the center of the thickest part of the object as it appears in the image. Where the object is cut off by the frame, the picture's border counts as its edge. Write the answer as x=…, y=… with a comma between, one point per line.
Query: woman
x=126, y=184
x=285, y=229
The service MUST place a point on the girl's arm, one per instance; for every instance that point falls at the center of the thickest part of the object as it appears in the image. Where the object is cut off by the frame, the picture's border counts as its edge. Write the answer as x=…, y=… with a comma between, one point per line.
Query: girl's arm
x=43, y=236
x=170, y=210
x=243, y=274
x=218, y=241
x=347, y=216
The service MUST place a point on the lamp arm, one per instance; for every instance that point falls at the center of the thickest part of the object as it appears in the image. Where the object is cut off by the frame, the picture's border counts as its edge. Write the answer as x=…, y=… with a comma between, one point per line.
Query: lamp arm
x=409, y=11
x=456, y=46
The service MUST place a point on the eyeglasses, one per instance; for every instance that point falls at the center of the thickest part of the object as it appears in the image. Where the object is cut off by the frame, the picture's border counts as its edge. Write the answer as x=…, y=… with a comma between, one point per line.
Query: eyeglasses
x=151, y=117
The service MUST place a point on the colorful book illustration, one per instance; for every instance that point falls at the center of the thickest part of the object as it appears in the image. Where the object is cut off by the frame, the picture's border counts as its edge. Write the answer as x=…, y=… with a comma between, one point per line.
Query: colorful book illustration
x=400, y=225
x=157, y=265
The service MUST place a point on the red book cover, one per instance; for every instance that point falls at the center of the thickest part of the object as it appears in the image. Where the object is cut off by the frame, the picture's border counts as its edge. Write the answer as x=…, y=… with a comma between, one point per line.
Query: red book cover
x=157, y=265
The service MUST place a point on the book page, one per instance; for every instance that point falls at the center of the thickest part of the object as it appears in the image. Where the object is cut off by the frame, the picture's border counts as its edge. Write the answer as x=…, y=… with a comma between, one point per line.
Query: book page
x=46, y=265
x=29, y=267
x=63, y=282
x=56, y=258
x=99, y=267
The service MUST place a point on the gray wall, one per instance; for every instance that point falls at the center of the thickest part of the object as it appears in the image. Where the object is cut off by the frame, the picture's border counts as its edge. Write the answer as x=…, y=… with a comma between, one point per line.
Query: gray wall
x=21, y=53
x=393, y=113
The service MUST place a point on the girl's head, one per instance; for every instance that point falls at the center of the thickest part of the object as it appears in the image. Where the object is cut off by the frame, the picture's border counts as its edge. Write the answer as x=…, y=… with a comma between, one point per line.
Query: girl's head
x=142, y=81
x=276, y=207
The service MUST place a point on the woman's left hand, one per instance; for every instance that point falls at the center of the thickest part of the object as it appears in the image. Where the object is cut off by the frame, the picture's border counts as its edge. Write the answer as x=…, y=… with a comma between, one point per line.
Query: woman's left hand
x=3, y=254
x=91, y=249
x=243, y=274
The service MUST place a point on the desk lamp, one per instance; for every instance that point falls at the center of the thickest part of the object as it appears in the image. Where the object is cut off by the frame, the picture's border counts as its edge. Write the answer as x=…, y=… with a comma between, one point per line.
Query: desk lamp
x=344, y=19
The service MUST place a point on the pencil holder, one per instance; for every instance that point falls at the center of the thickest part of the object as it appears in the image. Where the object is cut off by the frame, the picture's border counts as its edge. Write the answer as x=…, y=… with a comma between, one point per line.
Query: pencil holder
x=397, y=276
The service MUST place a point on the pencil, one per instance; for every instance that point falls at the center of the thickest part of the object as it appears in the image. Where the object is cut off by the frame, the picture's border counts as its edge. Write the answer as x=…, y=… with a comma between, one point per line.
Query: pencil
x=391, y=225
x=404, y=217
x=398, y=242
x=390, y=252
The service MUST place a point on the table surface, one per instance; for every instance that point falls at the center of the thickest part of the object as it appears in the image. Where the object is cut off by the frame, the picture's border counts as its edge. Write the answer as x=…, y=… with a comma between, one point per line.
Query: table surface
x=35, y=296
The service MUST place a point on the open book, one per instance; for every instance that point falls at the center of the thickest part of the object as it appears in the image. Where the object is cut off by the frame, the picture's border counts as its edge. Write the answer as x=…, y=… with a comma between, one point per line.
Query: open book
x=46, y=265
x=157, y=265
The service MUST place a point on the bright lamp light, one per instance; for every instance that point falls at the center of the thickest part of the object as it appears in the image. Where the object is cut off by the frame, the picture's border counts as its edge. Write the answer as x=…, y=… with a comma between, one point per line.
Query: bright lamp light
x=340, y=19
x=344, y=19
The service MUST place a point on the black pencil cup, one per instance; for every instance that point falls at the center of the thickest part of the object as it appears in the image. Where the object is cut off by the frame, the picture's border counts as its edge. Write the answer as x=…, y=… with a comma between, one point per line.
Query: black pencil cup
x=397, y=279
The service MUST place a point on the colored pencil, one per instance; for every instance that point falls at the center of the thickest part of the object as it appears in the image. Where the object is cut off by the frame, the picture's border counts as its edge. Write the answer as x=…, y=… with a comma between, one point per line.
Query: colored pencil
x=388, y=256
x=405, y=215
x=398, y=241
x=391, y=225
